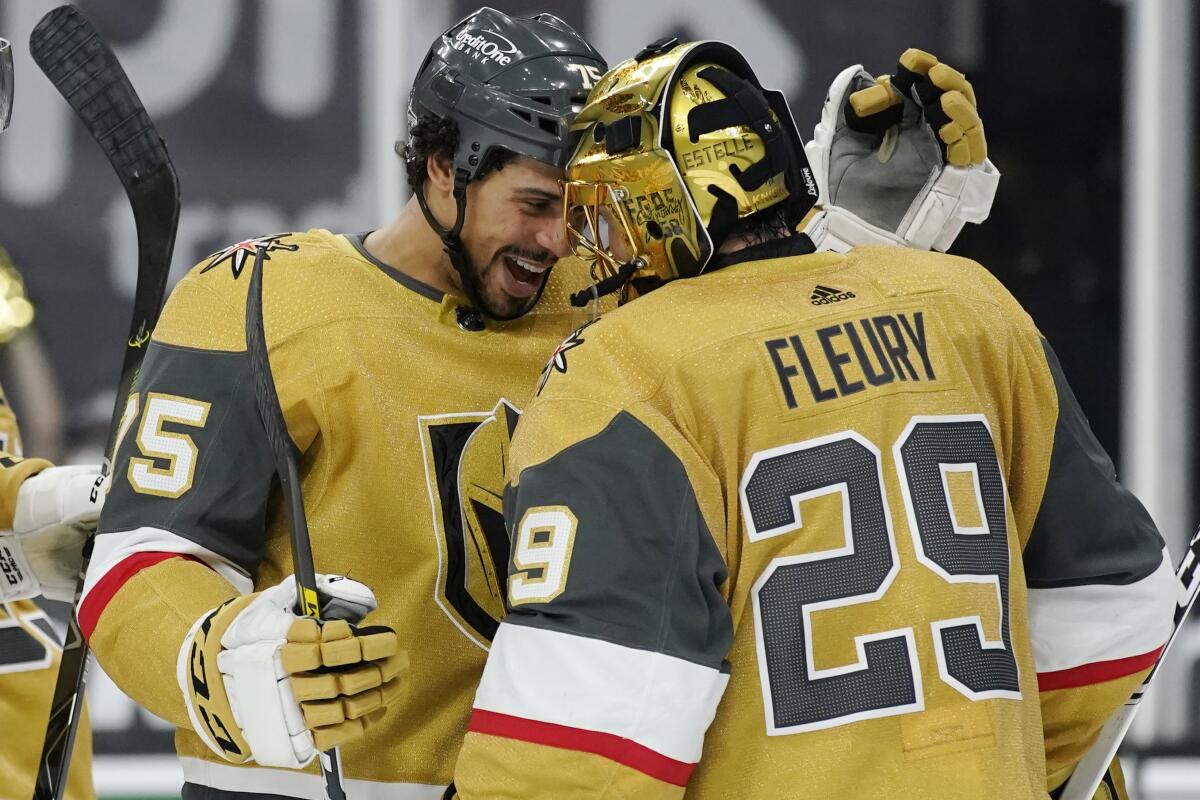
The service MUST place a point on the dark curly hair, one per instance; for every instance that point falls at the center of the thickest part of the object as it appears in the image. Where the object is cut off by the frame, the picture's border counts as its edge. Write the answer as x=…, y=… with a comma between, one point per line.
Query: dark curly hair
x=438, y=136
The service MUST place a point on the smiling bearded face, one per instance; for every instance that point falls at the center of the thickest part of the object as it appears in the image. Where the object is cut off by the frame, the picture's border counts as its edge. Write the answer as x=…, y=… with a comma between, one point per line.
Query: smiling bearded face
x=513, y=234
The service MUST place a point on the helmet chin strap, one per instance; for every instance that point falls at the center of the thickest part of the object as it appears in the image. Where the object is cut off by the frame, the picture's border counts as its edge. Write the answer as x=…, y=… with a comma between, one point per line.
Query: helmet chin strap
x=451, y=242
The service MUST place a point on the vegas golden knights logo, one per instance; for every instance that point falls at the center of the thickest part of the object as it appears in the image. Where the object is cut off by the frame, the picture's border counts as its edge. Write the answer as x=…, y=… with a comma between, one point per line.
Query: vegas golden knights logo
x=465, y=460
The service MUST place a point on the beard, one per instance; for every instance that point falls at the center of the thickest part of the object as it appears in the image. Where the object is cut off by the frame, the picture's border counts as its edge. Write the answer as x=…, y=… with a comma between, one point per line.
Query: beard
x=488, y=295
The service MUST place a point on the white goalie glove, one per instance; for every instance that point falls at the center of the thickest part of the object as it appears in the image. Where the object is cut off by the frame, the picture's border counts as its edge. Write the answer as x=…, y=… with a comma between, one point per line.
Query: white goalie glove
x=900, y=160
x=55, y=511
x=262, y=683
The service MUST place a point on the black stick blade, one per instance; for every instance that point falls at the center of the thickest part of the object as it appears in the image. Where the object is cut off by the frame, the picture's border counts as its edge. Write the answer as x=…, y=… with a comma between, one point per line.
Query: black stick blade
x=83, y=68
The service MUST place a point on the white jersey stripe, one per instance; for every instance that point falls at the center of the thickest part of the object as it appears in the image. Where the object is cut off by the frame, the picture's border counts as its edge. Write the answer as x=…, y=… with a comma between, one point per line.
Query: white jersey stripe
x=1076, y=625
x=658, y=701
x=113, y=548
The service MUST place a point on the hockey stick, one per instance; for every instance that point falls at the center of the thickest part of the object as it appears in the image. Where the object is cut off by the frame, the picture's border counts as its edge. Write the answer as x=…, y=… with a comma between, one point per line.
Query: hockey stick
x=289, y=484
x=6, y=84
x=1090, y=770
x=84, y=70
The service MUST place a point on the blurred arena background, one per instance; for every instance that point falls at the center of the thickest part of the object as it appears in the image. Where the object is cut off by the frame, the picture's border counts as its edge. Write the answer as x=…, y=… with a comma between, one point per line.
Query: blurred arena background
x=281, y=114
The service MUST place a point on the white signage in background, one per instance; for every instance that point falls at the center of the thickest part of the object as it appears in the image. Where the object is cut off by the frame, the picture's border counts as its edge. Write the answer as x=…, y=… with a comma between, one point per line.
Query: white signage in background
x=173, y=63
x=177, y=58
x=36, y=158
x=297, y=55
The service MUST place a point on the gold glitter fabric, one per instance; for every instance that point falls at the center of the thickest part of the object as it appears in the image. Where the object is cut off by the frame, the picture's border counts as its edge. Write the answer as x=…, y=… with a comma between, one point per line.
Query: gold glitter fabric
x=13, y=468
x=29, y=662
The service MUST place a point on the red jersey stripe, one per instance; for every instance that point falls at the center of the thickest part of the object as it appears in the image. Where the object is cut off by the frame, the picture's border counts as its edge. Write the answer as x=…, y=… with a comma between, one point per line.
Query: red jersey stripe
x=614, y=748
x=97, y=599
x=1096, y=672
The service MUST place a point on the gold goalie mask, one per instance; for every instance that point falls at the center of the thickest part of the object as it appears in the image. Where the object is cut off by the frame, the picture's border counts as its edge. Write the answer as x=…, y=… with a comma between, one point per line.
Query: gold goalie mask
x=678, y=144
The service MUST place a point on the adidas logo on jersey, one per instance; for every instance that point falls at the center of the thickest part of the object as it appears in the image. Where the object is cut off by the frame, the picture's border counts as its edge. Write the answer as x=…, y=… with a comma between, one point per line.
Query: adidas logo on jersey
x=823, y=295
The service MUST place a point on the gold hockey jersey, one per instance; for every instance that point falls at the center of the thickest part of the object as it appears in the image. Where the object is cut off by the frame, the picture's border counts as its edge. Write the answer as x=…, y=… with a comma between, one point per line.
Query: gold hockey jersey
x=401, y=402
x=812, y=526
x=29, y=655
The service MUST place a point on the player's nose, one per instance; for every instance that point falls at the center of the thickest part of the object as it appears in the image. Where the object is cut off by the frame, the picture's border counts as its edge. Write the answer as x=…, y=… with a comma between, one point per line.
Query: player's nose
x=553, y=237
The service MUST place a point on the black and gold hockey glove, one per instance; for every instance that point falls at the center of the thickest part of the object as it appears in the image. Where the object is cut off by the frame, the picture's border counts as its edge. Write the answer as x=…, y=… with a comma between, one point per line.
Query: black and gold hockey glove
x=262, y=683
x=899, y=160
x=944, y=95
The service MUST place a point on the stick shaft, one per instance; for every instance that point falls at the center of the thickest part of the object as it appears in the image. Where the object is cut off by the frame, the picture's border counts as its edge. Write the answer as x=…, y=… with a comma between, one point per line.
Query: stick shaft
x=286, y=467
x=1091, y=768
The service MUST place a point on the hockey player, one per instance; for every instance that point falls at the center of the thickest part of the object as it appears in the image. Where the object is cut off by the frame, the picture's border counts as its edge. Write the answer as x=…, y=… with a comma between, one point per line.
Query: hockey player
x=45, y=512
x=400, y=359
x=388, y=351
x=796, y=524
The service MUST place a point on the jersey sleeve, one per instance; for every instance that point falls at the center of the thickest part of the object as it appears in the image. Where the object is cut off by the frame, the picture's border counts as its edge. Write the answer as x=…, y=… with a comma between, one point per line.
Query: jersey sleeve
x=13, y=468
x=605, y=675
x=183, y=527
x=1101, y=586
x=29, y=654
x=13, y=472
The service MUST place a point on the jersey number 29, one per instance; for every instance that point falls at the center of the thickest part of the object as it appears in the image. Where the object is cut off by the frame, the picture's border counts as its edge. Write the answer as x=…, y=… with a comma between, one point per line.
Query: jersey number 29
x=885, y=679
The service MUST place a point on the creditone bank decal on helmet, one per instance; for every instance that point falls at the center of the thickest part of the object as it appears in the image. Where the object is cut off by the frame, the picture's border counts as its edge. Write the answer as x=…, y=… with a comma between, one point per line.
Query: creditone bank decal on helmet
x=677, y=145
x=486, y=45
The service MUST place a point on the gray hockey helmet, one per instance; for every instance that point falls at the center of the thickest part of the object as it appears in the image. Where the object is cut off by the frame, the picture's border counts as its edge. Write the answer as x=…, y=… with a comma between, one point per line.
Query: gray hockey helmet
x=511, y=83
x=507, y=82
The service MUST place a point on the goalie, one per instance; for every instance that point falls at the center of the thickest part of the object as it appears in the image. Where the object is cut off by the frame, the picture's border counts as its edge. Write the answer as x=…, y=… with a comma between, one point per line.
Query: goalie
x=766, y=546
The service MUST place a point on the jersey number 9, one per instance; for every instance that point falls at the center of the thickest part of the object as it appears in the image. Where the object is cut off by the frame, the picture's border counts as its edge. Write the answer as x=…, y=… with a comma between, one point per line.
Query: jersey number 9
x=541, y=554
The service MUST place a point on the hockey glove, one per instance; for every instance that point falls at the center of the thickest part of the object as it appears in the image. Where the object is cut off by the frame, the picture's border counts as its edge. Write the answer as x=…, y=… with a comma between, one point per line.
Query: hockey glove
x=55, y=510
x=900, y=160
x=262, y=683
